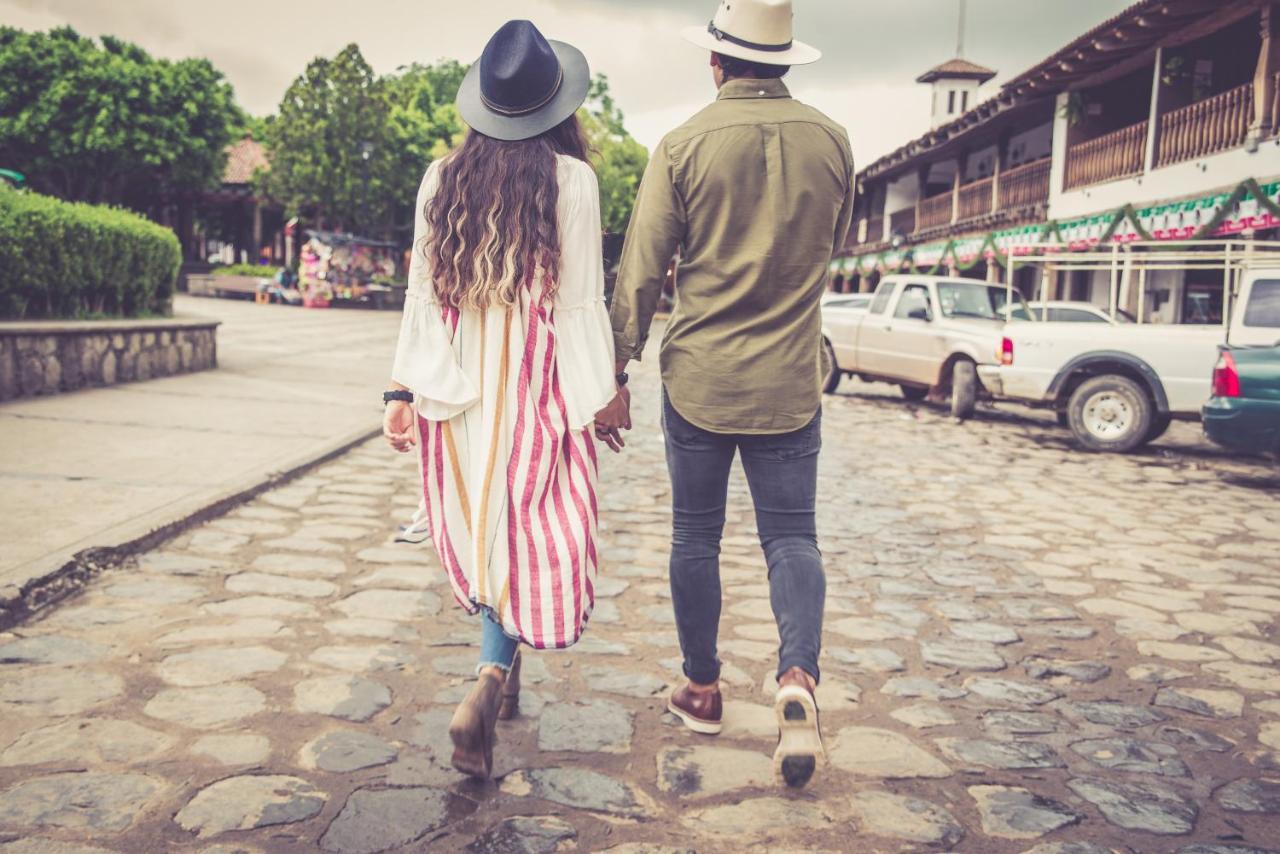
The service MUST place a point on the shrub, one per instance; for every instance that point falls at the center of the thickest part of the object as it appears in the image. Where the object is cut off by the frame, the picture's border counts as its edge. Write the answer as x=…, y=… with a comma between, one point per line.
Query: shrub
x=63, y=259
x=260, y=271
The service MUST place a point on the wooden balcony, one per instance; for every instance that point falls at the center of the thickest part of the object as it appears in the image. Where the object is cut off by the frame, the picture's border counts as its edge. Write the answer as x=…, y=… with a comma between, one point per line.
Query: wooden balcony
x=1206, y=127
x=903, y=222
x=875, y=230
x=934, y=211
x=1025, y=185
x=1115, y=155
x=974, y=200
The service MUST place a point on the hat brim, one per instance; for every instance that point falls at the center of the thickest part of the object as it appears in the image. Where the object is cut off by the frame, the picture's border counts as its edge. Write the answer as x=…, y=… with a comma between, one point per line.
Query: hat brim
x=571, y=95
x=798, y=54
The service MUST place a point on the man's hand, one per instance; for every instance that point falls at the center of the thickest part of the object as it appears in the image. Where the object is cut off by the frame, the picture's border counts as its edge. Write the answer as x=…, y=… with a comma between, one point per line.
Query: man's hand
x=397, y=425
x=613, y=419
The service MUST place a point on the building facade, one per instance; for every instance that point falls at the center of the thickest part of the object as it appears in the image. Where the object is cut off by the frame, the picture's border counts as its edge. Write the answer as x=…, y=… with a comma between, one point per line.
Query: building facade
x=1162, y=123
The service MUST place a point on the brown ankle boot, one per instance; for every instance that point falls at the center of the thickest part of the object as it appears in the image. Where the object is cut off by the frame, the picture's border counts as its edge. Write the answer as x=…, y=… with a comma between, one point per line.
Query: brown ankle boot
x=473, y=728
x=511, y=692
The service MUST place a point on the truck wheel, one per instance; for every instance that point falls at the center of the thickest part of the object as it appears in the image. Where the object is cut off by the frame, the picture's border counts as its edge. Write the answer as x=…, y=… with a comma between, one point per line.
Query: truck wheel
x=914, y=392
x=964, y=389
x=1110, y=413
x=832, y=379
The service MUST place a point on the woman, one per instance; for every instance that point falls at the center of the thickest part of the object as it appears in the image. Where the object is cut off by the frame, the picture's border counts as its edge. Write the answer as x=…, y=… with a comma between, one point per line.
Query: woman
x=505, y=356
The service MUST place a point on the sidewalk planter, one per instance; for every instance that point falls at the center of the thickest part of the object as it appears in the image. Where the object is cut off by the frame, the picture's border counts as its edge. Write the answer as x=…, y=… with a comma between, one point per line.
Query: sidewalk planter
x=49, y=357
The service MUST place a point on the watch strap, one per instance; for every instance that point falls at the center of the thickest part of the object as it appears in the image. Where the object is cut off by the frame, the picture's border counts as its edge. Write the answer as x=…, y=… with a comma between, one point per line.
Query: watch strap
x=406, y=396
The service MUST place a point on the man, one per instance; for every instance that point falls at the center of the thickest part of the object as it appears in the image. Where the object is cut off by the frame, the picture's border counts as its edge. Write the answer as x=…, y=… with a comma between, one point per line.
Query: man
x=756, y=192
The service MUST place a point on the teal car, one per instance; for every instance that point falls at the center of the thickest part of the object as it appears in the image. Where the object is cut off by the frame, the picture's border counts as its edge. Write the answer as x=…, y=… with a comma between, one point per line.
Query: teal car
x=1244, y=412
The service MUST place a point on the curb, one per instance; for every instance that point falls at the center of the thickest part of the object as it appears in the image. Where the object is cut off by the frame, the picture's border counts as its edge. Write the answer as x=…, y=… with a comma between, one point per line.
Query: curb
x=82, y=567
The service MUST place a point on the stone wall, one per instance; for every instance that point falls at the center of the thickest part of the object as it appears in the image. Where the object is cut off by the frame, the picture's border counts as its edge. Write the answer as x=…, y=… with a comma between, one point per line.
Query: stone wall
x=50, y=357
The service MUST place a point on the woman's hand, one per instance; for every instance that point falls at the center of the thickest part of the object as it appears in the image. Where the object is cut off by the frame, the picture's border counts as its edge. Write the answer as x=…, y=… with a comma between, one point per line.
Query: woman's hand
x=613, y=419
x=397, y=425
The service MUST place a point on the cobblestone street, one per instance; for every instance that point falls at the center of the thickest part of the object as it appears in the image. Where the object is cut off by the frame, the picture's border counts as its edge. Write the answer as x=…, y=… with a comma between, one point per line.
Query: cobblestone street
x=1027, y=648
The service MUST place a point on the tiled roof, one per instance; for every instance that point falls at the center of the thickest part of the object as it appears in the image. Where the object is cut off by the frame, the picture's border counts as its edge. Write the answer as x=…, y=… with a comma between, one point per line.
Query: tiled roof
x=243, y=159
x=957, y=68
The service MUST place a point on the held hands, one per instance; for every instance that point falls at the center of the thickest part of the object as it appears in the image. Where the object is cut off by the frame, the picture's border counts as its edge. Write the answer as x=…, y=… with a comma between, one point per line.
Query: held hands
x=613, y=419
x=397, y=425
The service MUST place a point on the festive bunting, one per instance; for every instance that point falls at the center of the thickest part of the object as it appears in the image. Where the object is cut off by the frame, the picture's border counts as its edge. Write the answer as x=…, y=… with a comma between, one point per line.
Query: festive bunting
x=1250, y=206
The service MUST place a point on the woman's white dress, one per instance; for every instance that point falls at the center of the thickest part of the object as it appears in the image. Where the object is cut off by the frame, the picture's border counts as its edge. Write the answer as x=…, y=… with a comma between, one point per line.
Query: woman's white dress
x=505, y=400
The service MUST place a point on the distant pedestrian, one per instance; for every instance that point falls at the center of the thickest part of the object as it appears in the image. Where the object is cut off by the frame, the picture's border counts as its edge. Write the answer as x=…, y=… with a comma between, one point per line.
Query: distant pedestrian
x=757, y=192
x=506, y=345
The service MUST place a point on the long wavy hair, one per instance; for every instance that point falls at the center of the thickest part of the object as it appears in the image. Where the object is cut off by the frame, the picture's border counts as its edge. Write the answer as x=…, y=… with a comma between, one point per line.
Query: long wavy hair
x=492, y=221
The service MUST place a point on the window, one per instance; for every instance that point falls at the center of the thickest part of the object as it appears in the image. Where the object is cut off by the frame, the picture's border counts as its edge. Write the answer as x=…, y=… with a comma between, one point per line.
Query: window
x=973, y=300
x=964, y=102
x=881, y=302
x=1264, y=304
x=914, y=298
x=951, y=102
x=1074, y=315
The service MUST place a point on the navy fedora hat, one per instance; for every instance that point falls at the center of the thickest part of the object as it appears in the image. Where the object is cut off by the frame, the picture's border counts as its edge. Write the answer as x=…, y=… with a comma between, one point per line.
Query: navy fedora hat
x=523, y=84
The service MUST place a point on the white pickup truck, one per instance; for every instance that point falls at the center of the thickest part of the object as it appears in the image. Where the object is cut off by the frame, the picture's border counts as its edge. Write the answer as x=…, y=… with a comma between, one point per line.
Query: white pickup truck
x=1118, y=386
x=920, y=332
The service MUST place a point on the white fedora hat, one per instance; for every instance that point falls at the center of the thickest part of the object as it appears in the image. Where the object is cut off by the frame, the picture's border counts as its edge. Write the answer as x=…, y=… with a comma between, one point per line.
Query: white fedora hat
x=755, y=30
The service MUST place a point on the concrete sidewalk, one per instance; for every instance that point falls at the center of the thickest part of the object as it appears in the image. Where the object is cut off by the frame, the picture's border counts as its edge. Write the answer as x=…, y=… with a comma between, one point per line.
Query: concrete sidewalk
x=105, y=467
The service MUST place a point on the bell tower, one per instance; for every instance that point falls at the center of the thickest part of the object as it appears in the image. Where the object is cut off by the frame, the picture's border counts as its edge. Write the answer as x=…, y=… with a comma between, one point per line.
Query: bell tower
x=955, y=82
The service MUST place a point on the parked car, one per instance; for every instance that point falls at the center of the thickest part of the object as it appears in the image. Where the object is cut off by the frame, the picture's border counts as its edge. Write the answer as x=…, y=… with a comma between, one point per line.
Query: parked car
x=921, y=333
x=1064, y=311
x=1119, y=386
x=1244, y=412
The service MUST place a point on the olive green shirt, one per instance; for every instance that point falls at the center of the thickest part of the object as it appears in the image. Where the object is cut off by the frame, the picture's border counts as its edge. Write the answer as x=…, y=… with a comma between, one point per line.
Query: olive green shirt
x=756, y=191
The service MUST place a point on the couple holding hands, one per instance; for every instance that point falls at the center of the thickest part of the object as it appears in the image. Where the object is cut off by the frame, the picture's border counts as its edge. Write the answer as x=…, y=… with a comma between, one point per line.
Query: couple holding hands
x=510, y=366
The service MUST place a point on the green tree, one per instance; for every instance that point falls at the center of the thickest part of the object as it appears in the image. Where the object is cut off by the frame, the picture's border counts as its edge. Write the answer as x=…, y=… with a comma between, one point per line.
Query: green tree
x=329, y=145
x=107, y=122
x=619, y=160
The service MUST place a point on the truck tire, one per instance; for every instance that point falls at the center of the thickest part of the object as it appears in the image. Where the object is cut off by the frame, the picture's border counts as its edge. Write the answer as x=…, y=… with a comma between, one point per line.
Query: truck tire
x=832, y=380
x=1110, y=413
x=1159, y=426
x=964, y=389
x=914, y=393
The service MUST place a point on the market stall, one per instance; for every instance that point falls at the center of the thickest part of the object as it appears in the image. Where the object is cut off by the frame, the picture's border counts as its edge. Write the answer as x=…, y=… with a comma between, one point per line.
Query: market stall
x=342, y=269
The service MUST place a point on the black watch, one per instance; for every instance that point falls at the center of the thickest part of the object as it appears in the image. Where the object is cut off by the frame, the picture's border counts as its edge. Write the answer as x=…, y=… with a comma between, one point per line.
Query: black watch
x=388, y=396
x=622, y=378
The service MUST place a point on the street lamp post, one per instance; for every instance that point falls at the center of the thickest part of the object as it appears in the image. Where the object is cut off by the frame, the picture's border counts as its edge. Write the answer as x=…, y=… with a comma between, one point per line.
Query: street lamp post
x=366, y=152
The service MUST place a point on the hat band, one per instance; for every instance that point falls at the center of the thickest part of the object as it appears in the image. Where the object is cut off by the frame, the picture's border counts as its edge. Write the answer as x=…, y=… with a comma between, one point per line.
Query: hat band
x=722, y=36
x=522, y=111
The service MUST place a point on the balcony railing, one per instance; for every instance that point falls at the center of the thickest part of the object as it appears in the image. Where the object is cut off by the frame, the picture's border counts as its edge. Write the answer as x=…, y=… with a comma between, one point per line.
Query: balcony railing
x=1206, y=127
x=934, y=211
x=1115, y=155
x=974, y=200
x=902, y=222
x=1025, y=185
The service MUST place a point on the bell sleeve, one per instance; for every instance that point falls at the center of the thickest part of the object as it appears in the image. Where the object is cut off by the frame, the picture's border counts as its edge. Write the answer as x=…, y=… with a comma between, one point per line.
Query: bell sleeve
x=584, y=336
x=427, y=359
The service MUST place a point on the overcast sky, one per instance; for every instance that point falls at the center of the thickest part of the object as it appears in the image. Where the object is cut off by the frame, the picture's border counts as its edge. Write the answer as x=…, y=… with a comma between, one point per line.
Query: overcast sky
x=873, y=49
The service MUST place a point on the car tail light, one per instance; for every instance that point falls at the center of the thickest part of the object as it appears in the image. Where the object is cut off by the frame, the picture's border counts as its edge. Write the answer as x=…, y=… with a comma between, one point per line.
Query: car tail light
x=1226, y=379
x=1006, y=351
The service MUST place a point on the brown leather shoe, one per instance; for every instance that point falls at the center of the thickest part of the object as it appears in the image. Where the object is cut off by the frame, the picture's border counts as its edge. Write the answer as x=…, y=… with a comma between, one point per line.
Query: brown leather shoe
x=473, y=728
x=510, y=706
x=701, y=711
x=800, y=749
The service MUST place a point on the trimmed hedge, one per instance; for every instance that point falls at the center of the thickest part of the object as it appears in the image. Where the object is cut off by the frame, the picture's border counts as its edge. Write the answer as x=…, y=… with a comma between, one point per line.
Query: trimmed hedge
x=69, y=260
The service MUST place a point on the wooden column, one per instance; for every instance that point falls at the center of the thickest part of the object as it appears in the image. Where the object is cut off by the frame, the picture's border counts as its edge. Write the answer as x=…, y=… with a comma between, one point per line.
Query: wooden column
x=1002, y=154
x=962, y=163
x=1153, y=117
x=922, y=187
x=1264, y=79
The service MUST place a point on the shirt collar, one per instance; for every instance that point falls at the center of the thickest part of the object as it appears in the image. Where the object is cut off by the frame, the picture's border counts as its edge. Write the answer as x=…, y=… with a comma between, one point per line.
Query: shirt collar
x=745, y=87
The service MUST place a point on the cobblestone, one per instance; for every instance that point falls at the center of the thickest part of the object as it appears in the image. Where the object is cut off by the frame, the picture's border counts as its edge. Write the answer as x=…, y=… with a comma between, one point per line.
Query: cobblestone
x=1027, y=649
